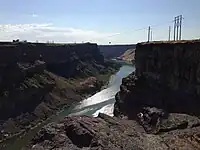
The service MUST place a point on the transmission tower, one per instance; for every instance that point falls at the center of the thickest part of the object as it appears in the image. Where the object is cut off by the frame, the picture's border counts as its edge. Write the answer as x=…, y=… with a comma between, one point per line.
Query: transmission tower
x=149, y=33
x=180, y=34
x=178, y=27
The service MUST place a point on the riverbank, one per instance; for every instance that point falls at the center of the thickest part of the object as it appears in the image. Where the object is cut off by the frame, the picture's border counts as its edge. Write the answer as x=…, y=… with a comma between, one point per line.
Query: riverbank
x=92, y=86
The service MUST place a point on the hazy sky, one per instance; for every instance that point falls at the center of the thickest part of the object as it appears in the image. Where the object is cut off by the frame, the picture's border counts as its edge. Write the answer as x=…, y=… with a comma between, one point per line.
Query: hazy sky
x=98, y=21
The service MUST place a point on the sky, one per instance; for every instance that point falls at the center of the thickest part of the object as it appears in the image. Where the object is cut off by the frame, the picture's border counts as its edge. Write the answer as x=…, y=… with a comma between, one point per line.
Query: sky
x=99, y=21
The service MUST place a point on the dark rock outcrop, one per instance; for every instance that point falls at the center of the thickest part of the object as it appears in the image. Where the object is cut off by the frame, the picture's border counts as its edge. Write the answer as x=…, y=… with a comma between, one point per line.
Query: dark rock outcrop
x=166, y=77
x=104, y=132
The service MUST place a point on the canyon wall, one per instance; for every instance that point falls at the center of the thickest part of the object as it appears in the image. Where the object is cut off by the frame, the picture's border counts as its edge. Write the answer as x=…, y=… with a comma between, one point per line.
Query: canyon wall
x=50, y=53
x=167, y=76
x=54, y=55
x=175, y=64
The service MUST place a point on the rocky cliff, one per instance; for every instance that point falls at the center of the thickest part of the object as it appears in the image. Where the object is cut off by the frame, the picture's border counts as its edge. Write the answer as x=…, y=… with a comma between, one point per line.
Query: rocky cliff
x=73, y=57
x=36, y=80
x=163, y=93
x=167, y=76
x=157, y=107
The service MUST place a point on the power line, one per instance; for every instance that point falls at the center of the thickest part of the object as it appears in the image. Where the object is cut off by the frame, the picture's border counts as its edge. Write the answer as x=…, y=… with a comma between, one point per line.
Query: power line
x=162, y=23
x=134, y=30
x=116, y=34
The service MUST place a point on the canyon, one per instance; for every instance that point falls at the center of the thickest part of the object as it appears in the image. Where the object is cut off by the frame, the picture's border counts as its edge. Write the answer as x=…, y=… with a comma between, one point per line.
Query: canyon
x=37, y=80
x=157, y=106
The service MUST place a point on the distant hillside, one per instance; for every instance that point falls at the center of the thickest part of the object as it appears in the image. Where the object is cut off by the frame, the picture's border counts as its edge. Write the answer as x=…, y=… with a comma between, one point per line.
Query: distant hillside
x=128, y=55
x=111, y=51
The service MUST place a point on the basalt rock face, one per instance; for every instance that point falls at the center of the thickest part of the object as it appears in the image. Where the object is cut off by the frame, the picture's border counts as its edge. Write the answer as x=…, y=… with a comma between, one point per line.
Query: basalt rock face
x=73, y=57
x=163, y=94
x=37, y=79
x=167, y=77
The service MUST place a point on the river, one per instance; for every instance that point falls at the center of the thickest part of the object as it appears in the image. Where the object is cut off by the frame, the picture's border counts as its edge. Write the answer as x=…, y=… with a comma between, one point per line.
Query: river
x=102, y=101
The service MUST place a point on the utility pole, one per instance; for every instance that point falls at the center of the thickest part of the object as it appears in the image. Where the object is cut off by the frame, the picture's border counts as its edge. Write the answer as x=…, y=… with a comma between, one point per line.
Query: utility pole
x=151, y=35
x=169, y=33
x=149, y=30
x=175, y=28
x=178, y=27
x=181, y=17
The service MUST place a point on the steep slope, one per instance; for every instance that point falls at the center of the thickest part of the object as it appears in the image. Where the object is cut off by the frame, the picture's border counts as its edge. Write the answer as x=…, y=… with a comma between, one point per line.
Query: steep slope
x=31, y=86
x=128, y=55
x=113, y=51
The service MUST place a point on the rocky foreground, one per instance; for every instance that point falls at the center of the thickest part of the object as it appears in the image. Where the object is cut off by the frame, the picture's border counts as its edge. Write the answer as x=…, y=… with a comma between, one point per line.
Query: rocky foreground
x=157, y=107
x=178, y=131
